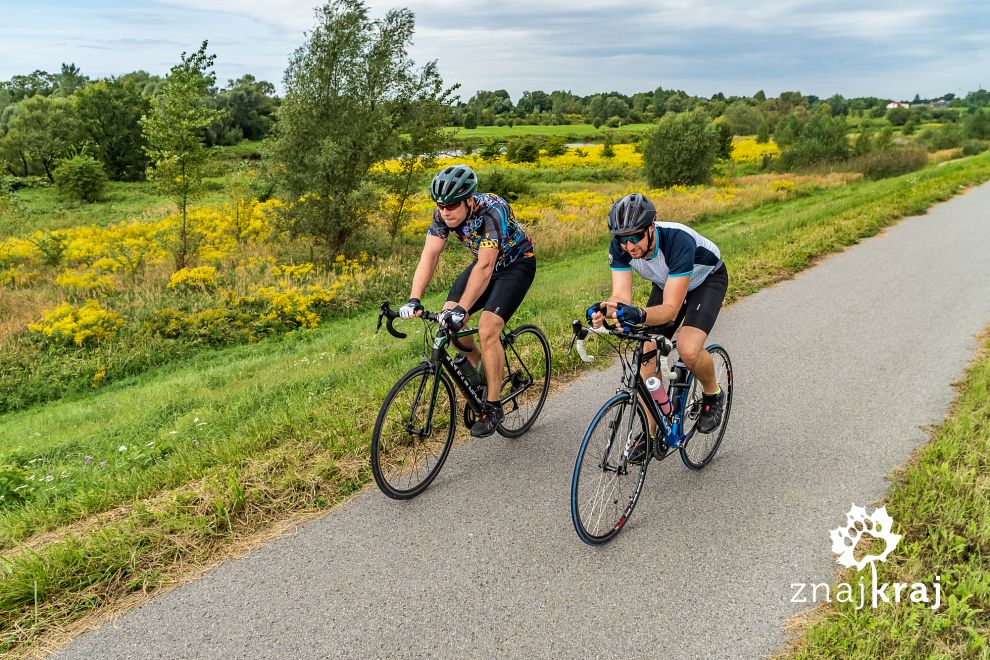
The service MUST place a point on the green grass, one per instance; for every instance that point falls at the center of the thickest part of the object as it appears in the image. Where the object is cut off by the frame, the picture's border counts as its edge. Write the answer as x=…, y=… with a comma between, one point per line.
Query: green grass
x=942, y=505
x=568, y=130
x=44, y=208
x=224, y=444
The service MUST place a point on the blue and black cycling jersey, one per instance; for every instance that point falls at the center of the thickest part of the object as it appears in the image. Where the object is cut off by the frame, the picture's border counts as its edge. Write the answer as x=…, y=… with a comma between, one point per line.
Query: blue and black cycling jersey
x=678, y=251
x=491, y=225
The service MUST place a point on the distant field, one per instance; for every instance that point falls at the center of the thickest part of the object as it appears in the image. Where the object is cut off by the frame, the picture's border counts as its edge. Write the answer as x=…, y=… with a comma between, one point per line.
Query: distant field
x=570, y=129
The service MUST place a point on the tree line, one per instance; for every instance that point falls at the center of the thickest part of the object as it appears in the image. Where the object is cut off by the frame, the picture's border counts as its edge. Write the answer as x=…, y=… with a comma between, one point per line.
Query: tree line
x=45, y=117
x=353, y=98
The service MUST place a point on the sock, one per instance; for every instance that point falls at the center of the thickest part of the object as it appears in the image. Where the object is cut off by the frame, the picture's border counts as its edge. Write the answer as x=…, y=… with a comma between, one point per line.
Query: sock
x=712, y=396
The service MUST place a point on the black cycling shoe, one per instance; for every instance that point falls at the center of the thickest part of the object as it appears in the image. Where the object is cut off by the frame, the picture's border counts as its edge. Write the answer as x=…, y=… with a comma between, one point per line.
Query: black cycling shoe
x=637, y=454
x=711, y=412
x=488, y=422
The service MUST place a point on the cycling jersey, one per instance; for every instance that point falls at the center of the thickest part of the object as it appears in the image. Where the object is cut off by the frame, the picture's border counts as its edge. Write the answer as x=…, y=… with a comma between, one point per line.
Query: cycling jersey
x=492, y=225
x=678, y=251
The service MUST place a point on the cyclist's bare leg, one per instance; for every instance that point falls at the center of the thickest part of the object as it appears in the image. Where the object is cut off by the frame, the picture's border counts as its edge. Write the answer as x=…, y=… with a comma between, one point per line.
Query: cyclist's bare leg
x=489, y=330
x=473, y=357
x=691, y=348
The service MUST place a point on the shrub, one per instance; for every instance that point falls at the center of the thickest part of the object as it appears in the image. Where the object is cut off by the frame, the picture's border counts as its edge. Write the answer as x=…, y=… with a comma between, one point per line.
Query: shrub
x=977, y=125
x=555, y=145
x=505, y=185
x=81, y=178
x=201, y=278
x=680, y=149
x=763, y=134
x=894, y=162
x=608, y=149
x=822, y=139
x=491, y=150
x=947, y=136
x=84, y=325
x=523, y=150
x=973, y=147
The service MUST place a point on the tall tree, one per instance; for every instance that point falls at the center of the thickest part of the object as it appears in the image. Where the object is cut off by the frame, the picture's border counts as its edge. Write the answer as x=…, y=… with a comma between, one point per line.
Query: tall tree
x=40, y=131
x=110, y=112
x=174, y=129
x=349, y=93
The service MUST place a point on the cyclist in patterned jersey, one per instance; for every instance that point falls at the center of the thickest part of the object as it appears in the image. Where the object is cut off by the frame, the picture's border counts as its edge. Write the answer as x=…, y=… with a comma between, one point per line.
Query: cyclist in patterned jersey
x=496, y=282
x=689, y=284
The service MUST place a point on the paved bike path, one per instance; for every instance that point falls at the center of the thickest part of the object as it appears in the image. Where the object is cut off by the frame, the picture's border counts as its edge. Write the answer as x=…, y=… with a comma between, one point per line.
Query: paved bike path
x=837, y=371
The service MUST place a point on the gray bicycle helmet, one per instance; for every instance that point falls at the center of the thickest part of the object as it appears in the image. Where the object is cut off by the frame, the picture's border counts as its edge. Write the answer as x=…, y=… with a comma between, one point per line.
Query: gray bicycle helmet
x=454, y=183
x=632, y=212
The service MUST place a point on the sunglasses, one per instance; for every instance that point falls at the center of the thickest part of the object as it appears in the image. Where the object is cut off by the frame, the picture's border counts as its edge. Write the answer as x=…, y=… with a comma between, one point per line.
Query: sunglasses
x=448, y=207
x=631, y=238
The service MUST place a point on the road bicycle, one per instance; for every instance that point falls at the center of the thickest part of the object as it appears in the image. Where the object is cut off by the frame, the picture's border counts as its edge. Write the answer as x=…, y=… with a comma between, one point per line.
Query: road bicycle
x=606, y=484
x=417, y=422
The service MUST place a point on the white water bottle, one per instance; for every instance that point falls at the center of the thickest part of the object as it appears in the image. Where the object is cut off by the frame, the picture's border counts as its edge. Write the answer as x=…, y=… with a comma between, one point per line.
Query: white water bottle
x=659, y=394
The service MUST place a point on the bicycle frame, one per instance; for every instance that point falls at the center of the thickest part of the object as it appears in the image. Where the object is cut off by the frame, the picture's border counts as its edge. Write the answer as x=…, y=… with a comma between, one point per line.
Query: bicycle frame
x=672, y=425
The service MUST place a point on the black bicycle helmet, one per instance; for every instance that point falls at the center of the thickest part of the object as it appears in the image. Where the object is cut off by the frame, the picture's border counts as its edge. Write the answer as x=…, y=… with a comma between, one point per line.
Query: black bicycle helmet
x=632, y=212
x=454, y=183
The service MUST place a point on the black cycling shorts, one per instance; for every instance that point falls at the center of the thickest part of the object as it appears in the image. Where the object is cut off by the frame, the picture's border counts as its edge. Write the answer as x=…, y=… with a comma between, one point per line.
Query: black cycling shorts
x=505, y=291
x=701, y=305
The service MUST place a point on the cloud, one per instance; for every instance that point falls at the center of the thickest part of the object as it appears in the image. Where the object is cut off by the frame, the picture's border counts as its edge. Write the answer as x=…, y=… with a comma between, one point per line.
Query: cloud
x=886, y=48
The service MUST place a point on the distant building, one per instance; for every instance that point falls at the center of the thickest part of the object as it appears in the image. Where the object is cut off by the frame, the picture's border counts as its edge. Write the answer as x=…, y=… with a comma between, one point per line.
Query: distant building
x=941, y=103
x=897, y=104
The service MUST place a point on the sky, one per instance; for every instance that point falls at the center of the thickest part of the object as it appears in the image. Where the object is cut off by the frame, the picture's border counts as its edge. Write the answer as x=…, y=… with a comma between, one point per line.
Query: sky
x=889, y=48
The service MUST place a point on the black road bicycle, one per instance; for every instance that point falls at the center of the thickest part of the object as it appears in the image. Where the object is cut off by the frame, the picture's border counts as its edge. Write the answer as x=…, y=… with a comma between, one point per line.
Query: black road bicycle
x=606, y=484
x=417, y=422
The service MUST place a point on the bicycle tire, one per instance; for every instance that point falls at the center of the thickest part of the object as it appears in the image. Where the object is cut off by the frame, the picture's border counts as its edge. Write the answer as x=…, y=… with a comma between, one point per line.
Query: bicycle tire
x=598, y=472
x=694, y=455
x=403, y=463
x=526, y=379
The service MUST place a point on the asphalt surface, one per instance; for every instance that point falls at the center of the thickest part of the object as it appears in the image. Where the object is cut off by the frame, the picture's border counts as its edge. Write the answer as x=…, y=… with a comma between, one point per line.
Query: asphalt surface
x=836, y=373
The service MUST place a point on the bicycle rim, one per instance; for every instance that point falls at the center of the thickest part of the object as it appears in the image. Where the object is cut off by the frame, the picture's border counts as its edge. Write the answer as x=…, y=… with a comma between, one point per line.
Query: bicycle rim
x=605, y=487
x=698, y=449
x=526, y=380
x=413, y=433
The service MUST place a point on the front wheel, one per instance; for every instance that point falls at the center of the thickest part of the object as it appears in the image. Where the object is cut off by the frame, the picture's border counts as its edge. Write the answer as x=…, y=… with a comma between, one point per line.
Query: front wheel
x=606, y=485
x=413, y=433
x=698, y=449
x=526, y=380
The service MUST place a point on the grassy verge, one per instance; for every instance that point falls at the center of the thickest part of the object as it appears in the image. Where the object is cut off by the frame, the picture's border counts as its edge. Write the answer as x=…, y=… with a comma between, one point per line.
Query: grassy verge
x=155, y=475
x=941, y=504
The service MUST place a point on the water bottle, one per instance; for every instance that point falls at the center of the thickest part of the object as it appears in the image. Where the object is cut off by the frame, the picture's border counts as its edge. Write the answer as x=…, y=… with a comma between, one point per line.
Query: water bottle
x=466, y=371
x=659, y=394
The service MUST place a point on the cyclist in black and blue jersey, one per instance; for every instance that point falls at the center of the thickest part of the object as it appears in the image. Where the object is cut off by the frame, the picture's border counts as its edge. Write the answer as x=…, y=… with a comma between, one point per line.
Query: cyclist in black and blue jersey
x=495, y=283
x=689, y=284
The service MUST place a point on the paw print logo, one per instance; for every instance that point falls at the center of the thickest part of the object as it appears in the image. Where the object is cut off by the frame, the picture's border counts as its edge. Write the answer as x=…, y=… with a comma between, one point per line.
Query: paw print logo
x=845, y=539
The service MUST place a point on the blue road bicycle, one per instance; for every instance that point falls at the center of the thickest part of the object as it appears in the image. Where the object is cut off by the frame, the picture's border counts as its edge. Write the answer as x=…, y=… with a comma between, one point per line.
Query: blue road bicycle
x=607, y=483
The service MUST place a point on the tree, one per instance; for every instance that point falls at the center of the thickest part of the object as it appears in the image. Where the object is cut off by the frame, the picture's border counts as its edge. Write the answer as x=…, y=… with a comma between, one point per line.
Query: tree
x=349, y=92
x=41, y=130
x=174, y=129
x=680, y=149
x=70, y=78
x=249, y=105
x=110, y=112
x=420, y=145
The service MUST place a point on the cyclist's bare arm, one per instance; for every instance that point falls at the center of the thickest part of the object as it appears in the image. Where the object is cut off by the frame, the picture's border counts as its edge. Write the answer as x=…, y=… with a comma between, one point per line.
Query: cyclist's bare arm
x=427, y=265
x=480, y=276
x=674, y=291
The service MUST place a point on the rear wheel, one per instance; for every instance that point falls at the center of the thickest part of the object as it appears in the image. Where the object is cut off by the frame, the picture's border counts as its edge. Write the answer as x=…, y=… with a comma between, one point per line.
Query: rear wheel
x=698, y=449
x=413, y=433
x=605, y=485
x=526, y=380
